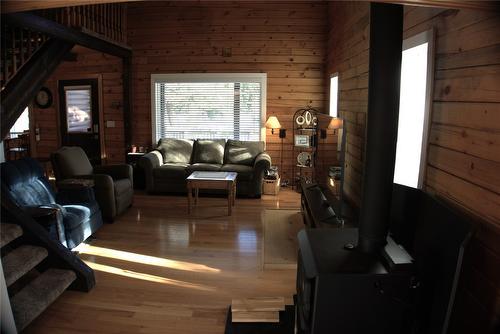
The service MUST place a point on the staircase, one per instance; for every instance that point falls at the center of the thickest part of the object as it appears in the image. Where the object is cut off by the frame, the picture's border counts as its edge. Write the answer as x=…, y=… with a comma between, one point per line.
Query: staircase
x=31, y=283
x=18, y=45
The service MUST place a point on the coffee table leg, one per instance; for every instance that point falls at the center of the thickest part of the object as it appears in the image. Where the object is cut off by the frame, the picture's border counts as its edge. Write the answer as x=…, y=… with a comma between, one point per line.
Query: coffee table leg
x=234, y=192
x=229, y=198
x=196, y=192
x=190, y=193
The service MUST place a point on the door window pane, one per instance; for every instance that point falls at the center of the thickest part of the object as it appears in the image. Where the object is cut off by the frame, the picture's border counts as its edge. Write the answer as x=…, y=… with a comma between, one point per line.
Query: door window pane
x=78, y=109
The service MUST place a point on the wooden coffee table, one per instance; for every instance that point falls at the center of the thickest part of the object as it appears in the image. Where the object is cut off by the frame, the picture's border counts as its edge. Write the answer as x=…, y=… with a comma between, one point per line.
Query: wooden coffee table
x=212, y=180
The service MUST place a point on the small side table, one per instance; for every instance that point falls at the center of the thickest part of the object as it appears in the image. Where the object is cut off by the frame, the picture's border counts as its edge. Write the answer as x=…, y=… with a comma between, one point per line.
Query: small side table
x=139, y=177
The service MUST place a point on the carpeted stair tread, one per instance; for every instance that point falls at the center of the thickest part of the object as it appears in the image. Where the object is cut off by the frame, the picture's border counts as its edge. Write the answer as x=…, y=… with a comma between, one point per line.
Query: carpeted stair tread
x=39, y=294
x=9, y=232
x=20, y=261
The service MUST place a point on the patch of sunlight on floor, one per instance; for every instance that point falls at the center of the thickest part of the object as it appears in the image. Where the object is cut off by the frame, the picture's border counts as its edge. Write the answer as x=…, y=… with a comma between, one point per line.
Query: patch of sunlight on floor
x=144, y=259
x=147, y=277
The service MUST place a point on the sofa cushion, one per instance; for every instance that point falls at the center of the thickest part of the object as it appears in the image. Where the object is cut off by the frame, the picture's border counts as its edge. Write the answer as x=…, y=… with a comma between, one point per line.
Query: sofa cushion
x=176, y=150
x=204, y=167
x=171, y=171
x=245, y=173
x=210, y=151
x=122, y=186
x=242, y=152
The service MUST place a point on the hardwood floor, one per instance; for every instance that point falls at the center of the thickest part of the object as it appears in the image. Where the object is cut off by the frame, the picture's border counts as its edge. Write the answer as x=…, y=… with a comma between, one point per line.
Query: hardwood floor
x=160, y=270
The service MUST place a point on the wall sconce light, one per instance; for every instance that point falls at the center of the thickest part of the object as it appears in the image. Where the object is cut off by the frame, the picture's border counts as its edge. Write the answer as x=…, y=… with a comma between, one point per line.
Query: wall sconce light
x=273, y=123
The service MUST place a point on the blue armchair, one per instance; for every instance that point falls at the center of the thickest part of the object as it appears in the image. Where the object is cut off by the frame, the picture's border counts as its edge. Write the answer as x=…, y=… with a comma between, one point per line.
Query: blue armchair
x=70, y=216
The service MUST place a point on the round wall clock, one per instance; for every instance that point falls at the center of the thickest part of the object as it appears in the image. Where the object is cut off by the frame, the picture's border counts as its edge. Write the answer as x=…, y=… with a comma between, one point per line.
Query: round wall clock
x=43, y=98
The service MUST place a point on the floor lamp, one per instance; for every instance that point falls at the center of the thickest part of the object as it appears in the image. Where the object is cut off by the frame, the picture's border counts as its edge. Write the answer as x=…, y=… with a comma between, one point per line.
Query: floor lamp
x=273, y=123
x=338, y=124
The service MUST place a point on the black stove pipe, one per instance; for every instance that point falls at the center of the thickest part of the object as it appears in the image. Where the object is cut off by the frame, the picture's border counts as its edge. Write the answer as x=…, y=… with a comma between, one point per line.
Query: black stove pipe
x=386, y=39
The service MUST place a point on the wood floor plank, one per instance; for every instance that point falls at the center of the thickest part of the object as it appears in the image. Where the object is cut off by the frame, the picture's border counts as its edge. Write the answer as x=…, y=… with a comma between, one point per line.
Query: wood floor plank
x=159, y=270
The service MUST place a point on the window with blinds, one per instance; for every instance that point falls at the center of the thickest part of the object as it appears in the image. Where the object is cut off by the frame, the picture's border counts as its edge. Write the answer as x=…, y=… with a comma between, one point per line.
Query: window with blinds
x=191, y=106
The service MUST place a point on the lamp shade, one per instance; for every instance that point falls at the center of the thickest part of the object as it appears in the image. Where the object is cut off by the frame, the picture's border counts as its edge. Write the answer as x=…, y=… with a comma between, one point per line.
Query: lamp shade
x=273, y=123
x=336, y=123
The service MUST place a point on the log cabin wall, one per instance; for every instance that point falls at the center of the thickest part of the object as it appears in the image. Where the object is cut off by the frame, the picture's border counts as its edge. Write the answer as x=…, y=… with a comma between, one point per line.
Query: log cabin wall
x=89, y=64
x=285, y=40
x=463, y=160
x=464, y=150
x=348, y=55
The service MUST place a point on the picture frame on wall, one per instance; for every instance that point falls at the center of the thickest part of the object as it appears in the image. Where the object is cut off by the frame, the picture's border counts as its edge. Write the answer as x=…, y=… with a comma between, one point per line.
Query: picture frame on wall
x=302, y=140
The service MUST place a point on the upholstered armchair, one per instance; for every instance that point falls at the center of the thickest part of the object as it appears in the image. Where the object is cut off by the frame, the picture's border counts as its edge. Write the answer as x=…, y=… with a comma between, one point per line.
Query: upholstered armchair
x=69, y=216
x=113, y=184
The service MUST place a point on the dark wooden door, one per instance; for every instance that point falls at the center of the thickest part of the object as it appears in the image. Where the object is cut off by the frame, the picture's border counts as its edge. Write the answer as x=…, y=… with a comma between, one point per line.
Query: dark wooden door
x=79, y=109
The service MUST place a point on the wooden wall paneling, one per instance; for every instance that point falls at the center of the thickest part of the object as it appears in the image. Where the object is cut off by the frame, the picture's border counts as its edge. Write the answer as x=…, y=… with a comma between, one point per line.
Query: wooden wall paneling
x=464, y=149
x=464, y=143
x=286, y=40
x=89, y=64
x=348, y=55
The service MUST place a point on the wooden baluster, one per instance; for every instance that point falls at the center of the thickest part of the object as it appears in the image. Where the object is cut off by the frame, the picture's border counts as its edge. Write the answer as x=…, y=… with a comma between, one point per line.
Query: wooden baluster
x=106, y=20
x=115, y=20
x=21, y=45
x=102, y=20
x=28, y=43
x=87, y=18
x=67, y=17
x=112, y=20
x=120, y=31
x=14, y=57
x=4, y=58
x=93, y=18
x=124, y=23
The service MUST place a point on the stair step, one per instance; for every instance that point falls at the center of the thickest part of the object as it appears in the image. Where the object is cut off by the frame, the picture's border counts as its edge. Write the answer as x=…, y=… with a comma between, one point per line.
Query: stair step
x=262, y=316
x=9, y=232
x=21, y=260
x=258, y=304
x=39, y=294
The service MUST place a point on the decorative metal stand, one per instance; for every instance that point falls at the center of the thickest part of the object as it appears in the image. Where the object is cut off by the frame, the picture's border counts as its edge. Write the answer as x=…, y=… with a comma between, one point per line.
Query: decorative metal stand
x=305, y=127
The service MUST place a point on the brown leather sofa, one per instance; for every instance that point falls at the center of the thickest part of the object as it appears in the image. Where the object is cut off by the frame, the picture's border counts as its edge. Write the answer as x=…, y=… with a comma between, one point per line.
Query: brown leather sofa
x=113, y=184
x=167, y=167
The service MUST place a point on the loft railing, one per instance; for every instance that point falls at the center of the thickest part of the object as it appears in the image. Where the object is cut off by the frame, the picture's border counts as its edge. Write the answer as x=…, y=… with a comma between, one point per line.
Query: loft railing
x=18, y=45
x=108, y=20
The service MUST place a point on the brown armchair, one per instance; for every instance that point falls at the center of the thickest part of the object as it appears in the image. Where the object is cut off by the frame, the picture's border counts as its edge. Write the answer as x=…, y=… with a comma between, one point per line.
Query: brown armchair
x=113, y=184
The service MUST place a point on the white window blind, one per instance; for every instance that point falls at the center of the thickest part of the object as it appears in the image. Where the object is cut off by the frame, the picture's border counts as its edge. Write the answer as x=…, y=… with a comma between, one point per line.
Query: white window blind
x=207, y=106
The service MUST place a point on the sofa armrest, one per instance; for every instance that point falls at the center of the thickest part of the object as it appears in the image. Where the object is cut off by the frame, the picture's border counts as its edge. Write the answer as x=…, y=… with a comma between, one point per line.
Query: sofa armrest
x=51, y=218
x=262, y=162
x=148, y=162
x=122, y=171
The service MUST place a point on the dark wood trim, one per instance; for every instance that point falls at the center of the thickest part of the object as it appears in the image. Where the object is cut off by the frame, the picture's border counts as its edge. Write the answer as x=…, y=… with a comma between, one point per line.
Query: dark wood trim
x=453, y=4
x=127, y=102
x=11, y=6
x=51, y=28
x=59, y=256
x=21, y=89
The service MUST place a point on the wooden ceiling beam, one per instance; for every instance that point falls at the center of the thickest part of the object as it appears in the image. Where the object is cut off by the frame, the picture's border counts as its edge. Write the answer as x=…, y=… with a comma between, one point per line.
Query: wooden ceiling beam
x=13, y=6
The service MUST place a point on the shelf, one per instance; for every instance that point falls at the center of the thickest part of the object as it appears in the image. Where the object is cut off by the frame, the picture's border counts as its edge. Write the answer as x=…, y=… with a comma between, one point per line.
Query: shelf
x=303, y=166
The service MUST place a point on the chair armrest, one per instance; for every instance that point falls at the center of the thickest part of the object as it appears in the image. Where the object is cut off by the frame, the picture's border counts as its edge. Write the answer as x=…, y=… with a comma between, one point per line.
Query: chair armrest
x=104, y=189
x=51, y=218
x=122, y=171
